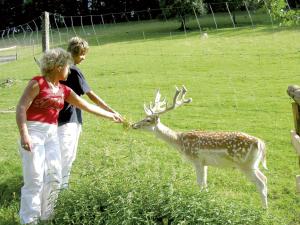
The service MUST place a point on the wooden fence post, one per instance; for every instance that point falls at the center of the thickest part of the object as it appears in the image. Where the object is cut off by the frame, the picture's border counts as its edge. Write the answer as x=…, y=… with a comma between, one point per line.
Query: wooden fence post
x=296, y=139
x=45, y=31
x=295, y=108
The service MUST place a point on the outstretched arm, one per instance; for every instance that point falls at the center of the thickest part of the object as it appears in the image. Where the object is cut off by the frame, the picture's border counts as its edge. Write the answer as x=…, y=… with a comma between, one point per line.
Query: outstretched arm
x=79, y=102
x=100, y=102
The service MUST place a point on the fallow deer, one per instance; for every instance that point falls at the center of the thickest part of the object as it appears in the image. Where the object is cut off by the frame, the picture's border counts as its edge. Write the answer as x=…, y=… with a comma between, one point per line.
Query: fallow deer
x=205, y=148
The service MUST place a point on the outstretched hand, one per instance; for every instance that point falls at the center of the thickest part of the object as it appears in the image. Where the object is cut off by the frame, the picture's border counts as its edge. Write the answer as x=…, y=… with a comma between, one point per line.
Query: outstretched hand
x=117, y=118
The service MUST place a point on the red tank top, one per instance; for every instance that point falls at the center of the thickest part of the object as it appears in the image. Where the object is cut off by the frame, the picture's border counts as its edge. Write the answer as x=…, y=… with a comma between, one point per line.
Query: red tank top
x=46, y=105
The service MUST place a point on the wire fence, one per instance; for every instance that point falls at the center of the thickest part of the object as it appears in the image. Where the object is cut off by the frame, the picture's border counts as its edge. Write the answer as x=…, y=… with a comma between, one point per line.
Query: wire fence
x=94, y=27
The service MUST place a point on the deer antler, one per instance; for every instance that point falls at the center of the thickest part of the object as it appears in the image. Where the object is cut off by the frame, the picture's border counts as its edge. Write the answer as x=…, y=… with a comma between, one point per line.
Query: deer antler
x=178, y=99
x=157, y=106
x=160, y=107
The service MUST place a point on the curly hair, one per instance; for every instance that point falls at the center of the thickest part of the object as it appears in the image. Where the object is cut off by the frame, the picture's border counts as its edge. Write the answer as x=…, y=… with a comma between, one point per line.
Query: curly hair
x=77, y=45
x=53, y=58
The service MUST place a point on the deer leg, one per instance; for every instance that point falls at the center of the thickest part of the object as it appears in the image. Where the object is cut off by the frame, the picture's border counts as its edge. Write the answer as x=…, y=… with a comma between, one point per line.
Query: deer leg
x=264, y=191
x=260, y=180
x=201, y=173
x=205, y=176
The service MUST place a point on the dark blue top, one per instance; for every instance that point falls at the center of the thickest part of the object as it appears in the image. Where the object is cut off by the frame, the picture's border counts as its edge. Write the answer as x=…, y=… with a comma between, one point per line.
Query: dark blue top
x=77, y=82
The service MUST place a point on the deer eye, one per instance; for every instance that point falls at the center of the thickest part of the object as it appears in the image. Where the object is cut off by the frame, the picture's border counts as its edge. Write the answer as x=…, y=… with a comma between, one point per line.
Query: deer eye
x=148, y=120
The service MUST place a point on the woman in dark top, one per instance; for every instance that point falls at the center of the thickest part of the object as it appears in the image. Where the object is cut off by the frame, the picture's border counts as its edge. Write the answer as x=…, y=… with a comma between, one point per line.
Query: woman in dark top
x=70, y=117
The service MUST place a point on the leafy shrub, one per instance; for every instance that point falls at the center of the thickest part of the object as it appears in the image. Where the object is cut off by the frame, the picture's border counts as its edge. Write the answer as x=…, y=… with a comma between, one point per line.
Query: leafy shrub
x=147, y=203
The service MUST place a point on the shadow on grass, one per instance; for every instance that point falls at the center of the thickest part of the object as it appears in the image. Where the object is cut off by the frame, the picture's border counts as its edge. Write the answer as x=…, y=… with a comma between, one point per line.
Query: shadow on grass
x=111, y=37
x=10, y=190
x=157, y=29
x=9, y=220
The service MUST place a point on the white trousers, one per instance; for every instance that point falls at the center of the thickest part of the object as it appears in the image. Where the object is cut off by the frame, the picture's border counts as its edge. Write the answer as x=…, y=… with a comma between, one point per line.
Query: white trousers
x=41, y=173
x=68, y=139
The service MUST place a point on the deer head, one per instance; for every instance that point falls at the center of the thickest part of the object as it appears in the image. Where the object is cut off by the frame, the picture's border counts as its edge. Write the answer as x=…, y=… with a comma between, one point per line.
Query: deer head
x=154, y=110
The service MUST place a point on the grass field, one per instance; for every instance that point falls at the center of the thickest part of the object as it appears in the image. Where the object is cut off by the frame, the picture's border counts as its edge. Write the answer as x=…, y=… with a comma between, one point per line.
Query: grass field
x=237, y=79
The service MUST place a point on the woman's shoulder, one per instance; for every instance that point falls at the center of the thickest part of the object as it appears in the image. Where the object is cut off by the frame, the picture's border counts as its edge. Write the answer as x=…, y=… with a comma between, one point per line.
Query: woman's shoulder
x=38, y=80
x=33, y=87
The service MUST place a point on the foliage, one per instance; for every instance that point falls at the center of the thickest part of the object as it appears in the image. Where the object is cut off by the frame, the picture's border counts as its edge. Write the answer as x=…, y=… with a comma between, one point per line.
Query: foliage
x=181, y=9
x=147, y=202
x=233, y=6
x=281, y=11
x=17, y=12
x=220, y=5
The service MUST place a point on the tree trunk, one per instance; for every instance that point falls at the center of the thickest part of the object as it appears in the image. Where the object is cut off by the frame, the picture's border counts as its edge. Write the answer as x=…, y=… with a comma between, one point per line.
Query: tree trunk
x=234, y=18
x=183, y=24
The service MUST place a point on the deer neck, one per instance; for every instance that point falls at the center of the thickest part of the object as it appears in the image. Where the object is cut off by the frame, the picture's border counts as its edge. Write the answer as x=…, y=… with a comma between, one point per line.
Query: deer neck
x=165, y=133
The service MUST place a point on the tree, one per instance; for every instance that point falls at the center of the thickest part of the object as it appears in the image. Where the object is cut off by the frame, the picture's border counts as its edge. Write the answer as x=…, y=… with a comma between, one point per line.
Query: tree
x=238, y=5
x=11, y=13
x=233, y=6
x=181, y=9
x=281, y=11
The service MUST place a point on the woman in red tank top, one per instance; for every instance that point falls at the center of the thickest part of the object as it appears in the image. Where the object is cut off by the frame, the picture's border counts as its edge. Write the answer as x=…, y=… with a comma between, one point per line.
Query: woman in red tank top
x=36, y=116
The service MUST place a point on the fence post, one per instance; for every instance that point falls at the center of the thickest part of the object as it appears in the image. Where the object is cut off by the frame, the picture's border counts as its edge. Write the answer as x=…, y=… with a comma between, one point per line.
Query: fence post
x=296, y=138
x=45, y=31
x=295, y=108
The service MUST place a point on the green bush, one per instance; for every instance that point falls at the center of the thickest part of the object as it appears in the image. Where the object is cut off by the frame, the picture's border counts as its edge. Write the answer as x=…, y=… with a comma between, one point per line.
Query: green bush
x=148, y=203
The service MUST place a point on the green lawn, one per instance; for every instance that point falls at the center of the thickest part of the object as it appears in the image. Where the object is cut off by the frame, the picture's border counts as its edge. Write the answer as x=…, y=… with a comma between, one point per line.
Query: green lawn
x=237, y=79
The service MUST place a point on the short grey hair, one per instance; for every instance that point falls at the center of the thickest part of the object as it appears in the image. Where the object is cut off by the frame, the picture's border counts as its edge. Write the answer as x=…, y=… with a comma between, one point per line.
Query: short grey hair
x=53, y=58
x=77, y=45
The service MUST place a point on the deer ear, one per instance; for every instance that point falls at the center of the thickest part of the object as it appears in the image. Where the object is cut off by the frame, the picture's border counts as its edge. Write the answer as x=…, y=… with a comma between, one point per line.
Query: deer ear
x=188, y=100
